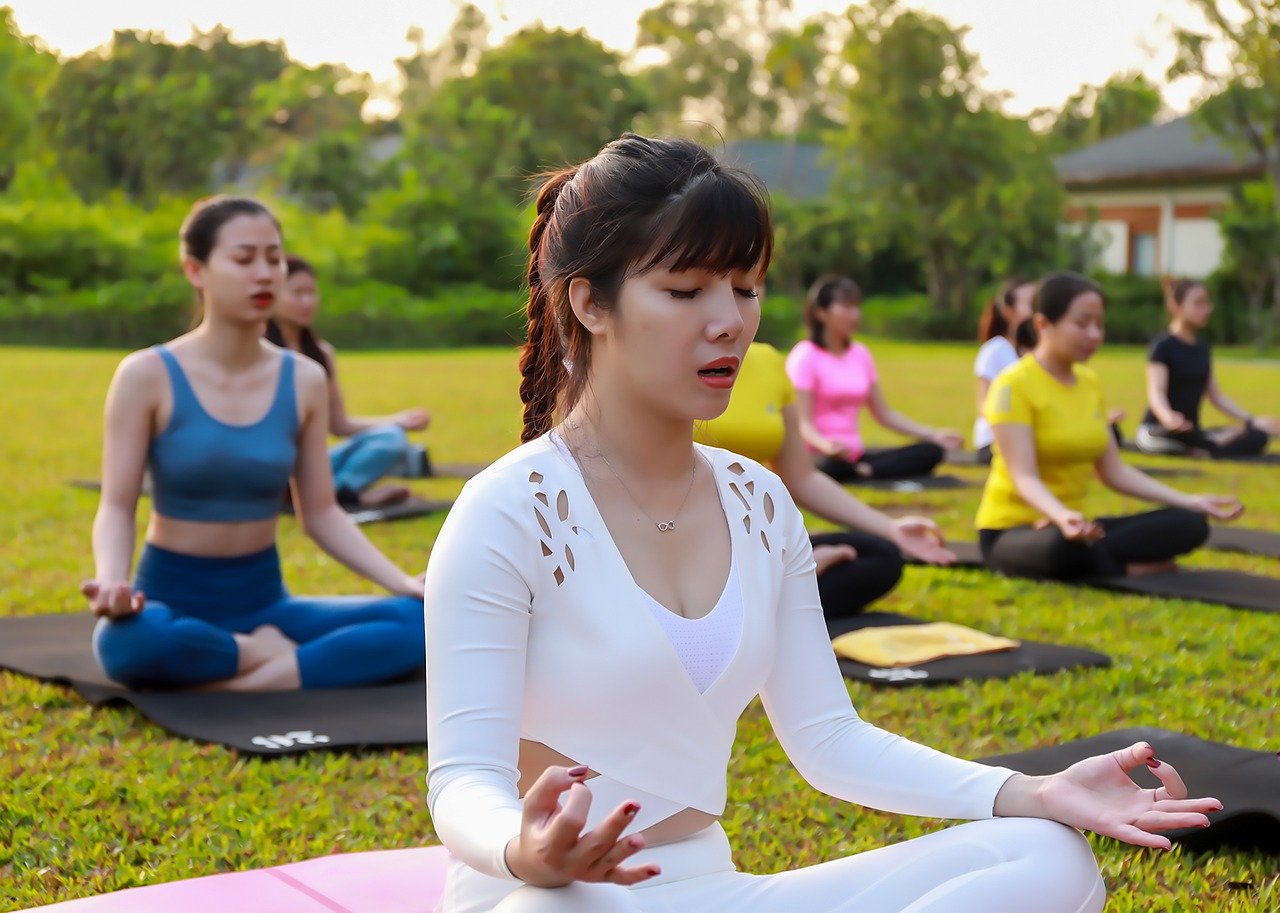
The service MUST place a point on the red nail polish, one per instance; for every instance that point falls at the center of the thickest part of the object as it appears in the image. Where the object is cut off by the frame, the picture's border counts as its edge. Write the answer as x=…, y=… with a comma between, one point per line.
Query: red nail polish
x=630, y=809
x=579, y=771
x=1152, y=763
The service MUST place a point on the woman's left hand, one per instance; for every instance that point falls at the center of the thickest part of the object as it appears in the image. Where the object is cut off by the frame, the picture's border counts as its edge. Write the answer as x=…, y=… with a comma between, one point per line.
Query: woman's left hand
x=1096, y=794
x=1220, y=507
x=920, y=538
x=1266, y=425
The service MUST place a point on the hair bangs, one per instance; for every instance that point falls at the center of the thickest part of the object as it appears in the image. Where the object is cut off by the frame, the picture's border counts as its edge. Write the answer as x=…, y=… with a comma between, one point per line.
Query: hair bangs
x=721, y=224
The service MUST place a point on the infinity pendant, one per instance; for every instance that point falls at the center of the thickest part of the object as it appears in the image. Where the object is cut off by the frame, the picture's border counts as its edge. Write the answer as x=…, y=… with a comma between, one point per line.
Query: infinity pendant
x=666, y=526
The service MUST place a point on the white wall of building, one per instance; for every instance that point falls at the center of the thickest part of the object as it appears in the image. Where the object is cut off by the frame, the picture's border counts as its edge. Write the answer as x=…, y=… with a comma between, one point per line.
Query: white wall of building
x=1112, y=241
x=1196, y=248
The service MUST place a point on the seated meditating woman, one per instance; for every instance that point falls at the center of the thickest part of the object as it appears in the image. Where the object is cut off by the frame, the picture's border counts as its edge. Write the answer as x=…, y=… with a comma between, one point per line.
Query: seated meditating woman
x=857, y=566
x=998, y=333
x=374, y=447
x=835, y=376
x=1179, y=377
x=604, y=601
x=1051, y=437
x=223, y=419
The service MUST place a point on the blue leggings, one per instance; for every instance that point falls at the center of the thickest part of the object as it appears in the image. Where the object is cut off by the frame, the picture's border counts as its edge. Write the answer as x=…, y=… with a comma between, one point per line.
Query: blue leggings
x=363, y=458
x=183, y=636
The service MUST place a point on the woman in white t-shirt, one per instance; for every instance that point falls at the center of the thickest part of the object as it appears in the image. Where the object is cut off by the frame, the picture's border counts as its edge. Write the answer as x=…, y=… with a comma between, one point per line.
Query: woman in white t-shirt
x=1000, y=321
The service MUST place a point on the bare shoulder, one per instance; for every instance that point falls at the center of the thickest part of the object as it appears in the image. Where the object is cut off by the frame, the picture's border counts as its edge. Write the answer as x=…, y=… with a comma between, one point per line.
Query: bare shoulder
x=309, y=378
x=139, y=370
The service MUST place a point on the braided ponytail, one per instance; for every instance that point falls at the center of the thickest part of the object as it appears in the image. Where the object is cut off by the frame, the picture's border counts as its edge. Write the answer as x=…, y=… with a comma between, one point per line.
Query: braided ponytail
x=541, y=371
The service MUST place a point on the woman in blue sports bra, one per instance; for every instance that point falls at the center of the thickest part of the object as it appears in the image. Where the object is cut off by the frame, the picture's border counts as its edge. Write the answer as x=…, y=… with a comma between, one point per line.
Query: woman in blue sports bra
x=223, y=419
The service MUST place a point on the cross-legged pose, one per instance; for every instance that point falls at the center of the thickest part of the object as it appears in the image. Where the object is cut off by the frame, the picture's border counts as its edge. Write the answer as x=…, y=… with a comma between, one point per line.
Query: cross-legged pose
x=374, y=447
x=857, y=566
x=835, y=376
x=1180, y=376
x=1051, y=438
x=223, y=419
x=604, y=601
x=998, y=333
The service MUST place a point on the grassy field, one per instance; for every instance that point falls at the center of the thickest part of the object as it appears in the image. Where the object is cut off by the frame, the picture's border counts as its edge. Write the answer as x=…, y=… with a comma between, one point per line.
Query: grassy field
x=96, y=800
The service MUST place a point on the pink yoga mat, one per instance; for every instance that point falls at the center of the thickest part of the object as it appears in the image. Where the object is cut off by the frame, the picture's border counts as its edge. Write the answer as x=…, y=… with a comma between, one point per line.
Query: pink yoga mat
x=388, y=881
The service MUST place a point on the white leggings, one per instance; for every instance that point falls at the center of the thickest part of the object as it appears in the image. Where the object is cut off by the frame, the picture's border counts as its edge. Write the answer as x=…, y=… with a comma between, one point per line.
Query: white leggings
x=1003, y=865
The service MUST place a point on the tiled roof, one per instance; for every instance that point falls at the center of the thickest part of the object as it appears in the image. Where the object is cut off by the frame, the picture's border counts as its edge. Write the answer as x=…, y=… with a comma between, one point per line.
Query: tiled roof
x=801, y=172
x=1179, y=150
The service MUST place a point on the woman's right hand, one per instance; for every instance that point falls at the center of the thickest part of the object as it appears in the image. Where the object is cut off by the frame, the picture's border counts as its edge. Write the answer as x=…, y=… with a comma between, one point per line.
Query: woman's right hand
x=1075, y=527
x=552, y=851
x=1176, y=421
x=835, y=449
x=115, y=600
x=1220, y=507
x=413, y=419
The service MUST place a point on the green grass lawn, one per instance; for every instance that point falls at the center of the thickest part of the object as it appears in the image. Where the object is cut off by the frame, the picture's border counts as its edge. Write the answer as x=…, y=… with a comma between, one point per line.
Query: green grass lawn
x=96, y=800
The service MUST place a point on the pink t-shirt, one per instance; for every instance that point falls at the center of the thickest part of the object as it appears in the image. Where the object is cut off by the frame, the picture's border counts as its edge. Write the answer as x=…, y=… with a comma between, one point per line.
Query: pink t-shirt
x=839, y=384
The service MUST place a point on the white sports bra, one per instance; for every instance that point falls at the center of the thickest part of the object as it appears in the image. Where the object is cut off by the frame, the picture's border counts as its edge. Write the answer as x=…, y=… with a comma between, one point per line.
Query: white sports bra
x=705, y=645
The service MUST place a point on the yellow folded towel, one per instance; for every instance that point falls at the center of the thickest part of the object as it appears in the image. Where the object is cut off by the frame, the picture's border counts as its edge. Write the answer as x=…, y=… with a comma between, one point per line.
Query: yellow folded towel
x=907, y=645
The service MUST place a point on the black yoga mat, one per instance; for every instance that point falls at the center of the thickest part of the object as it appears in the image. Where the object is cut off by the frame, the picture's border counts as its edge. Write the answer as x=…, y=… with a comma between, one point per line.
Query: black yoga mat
x=57, y=648
x=412, y=507
x=1030, y=656
x=1266, y=459
x=1235, y=589
x=914, y=483
x=1247, y=782
x=1249, y=541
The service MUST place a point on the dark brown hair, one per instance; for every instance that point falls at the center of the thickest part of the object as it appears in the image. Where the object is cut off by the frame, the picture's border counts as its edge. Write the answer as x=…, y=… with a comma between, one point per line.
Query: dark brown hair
x=993, y=322
x=824, y=292
x=639, y=203
x=308, y=340
x=1058, y=290
x=1177, y=290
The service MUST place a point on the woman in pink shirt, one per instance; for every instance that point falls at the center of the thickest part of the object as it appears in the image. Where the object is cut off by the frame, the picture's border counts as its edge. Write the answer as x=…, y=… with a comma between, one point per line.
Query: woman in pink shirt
x=835, y=376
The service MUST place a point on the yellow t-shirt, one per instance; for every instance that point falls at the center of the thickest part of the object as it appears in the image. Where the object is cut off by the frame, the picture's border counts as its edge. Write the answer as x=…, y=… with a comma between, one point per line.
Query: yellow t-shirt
x=753, y=424
x=1069, y=426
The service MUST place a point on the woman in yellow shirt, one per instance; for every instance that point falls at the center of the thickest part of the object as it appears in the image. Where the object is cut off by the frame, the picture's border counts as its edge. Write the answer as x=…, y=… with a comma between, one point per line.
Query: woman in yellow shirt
x=854, y=567
x=1050, y=425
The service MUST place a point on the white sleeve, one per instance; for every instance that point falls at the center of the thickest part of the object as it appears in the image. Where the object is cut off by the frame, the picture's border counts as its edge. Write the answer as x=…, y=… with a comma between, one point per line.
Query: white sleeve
x=995, y=355
x=831, y=746
x=478, y=602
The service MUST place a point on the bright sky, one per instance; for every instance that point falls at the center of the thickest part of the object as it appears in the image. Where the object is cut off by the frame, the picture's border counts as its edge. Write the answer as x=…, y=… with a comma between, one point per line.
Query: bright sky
x=1039, y=51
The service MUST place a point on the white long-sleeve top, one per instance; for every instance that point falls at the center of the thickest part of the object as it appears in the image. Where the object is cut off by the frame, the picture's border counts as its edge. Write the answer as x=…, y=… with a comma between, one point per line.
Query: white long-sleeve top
x=535, y=629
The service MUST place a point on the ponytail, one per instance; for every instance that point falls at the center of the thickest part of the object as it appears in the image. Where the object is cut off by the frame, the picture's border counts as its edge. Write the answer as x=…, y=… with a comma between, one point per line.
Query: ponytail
x=993, y=322
x=541, y=360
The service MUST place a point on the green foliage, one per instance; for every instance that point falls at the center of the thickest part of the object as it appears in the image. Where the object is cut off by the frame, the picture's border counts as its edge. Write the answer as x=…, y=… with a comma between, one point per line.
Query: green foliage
x=150, y=118
x=1124, y=102
x=937, y=166
x=25, y=71
x=98, y=799
x=1243, y=109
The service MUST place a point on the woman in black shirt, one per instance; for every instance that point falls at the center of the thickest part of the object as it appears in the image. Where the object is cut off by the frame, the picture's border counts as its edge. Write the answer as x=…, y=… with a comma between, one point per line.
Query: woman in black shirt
x=1180, y=375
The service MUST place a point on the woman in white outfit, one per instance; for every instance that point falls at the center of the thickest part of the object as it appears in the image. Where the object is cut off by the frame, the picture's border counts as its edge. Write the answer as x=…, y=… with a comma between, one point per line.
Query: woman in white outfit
x=605, y=600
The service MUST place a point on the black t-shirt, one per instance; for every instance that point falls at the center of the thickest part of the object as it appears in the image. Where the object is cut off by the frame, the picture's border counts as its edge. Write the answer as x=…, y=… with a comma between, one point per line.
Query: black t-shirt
x=1190, y=367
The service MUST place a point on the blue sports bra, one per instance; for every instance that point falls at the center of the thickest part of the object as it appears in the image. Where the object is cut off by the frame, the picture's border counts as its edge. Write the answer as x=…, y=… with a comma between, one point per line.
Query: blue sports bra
x=204, y=469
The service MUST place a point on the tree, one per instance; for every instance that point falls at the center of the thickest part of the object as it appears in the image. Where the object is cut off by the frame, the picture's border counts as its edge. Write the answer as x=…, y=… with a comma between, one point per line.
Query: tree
x=936, y=164
x=1124, y=102
x=1242, y=106
x=428, y=69
x=712, y=61
x=150, y=117
x=25, y=70
x=566, y=87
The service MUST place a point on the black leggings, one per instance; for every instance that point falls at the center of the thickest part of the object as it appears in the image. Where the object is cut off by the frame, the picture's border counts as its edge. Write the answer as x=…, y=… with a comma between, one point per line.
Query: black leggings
x=886, y=463
x=1158, y=535
x=1157, y=439
x=848, y=587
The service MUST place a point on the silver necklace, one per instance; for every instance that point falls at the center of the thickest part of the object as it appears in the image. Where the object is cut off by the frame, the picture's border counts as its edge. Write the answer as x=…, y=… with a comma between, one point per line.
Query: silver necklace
x=664, y=526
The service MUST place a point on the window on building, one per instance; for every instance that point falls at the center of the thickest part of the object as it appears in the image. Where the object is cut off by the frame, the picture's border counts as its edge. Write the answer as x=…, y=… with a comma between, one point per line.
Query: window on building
x=1145, y=254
